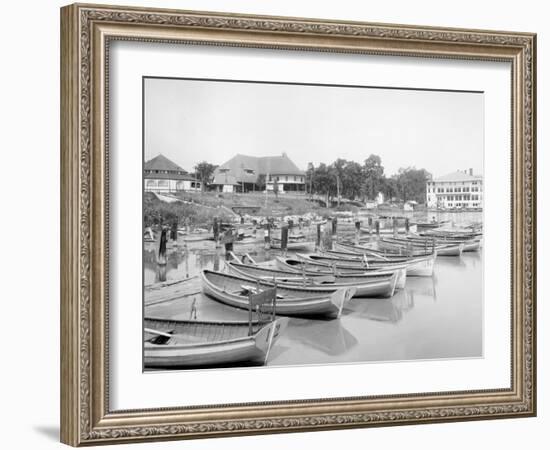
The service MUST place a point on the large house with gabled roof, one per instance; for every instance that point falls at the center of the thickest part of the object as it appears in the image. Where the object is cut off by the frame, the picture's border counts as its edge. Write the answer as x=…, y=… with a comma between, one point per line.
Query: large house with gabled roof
x=457, y=190
x=162, y=175
x=242, y=172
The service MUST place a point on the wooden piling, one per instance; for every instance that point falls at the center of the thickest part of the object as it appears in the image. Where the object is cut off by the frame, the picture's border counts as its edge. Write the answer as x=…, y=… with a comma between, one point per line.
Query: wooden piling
x=284, y=238
x=319, y=235
x=174, y=231
x=267, y=236
x=216, y=228
x=334, y=226
x=161, y=259
x=407, y=225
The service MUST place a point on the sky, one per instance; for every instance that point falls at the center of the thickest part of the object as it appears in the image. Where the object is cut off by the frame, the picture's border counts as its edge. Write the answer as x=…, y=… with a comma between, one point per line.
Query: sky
x=189, y=121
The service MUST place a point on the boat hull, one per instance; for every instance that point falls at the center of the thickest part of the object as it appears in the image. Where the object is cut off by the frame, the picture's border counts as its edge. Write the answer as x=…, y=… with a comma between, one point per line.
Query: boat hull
x=380, y=286
x=295, y=301
x=247, y=349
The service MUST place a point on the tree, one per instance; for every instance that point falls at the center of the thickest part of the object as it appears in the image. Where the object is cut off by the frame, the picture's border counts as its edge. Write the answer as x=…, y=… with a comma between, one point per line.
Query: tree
x=338, y=170
x=260, y=182
x=374, y=176
x=323, y=181
x=276, y=188
x=411, y=184
x=204, y=172
x=309, y=179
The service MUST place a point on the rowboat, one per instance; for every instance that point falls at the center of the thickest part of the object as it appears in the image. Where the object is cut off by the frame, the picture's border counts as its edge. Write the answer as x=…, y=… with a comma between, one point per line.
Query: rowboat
x=442, y=250
x=192, y=344
x=292, y=244
x=470, y=245
x=389, y=231
x=431, y=225
x=373, y=285
x=415, y=266
x=234, y=290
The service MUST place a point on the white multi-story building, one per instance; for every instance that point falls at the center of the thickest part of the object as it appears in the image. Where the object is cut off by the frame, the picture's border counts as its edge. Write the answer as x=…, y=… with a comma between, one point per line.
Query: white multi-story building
x=457, y=190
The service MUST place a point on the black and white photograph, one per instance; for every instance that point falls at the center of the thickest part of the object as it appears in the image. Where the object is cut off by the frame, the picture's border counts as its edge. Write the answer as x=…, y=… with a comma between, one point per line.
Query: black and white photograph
x=291, y=224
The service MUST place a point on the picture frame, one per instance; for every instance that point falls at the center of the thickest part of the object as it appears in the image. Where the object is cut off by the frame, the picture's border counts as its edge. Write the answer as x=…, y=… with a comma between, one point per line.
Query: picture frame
x=87, y=31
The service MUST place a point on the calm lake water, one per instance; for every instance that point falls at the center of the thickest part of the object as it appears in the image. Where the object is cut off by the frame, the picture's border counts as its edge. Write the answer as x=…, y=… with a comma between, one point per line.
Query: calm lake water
x=433, y=317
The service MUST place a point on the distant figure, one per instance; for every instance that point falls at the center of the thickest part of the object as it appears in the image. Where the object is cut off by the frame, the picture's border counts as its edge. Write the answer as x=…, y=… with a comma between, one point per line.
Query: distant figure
x=433, y=219
x=161, y=260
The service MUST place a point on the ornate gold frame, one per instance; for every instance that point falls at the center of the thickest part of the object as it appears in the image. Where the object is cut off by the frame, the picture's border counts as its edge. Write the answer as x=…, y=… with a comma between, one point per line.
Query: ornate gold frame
x=86, y=31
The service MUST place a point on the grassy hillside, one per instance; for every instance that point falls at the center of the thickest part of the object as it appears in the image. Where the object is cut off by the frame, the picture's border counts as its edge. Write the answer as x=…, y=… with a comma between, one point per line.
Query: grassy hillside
x=201, y=208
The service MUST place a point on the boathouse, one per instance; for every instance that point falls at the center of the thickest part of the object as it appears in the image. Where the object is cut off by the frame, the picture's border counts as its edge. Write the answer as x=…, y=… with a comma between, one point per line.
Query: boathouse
x=164, y=176
x=243, y=173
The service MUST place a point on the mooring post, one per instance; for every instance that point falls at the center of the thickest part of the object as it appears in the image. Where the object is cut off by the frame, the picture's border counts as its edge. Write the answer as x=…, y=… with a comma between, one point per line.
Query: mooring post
x=328, y=233
x=216, y=230
x=284, y=238
x=161, y=260
x=228, y=243
x=407, y=225
x=357, y=231
x=174, y=230
x=334, y=226
x=267, y=237
x=319, y=234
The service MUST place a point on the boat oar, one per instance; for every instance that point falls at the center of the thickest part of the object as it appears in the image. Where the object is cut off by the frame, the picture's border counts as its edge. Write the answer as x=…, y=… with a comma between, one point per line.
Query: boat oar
x=158, y=333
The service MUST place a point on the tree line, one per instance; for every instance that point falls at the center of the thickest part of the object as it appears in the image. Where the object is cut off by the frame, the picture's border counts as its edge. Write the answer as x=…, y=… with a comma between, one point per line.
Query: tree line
x=350, y=180
x=355, y=181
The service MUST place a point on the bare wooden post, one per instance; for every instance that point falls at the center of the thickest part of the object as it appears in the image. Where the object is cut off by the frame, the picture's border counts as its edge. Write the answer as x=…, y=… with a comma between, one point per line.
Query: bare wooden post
x=284, y=238
x=334, y=226
x=161, y=260
x=228, y=240
x=407, y=225
x=267, y=237
x=357, y=231
x=216, y=230
x=329, y=237
x=174, y=231
x=319, y=235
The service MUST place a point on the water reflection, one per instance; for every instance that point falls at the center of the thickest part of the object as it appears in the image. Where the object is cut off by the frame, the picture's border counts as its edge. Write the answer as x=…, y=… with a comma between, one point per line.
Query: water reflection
x=433, y=317
x=328, y=337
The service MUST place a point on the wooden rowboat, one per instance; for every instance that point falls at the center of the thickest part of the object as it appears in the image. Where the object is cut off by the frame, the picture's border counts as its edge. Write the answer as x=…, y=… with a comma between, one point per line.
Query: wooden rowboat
x=404, y=244
x=417, y=266
x=470, y=245
x=193, y=344
x=292, y=244
x=233, y=290
x=374, y=285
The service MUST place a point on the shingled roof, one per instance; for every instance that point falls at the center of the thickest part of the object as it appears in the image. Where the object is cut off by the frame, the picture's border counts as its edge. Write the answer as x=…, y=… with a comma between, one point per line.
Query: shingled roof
x=161, y=162
x=244, y=168
x=160, y=167
x=458, y=176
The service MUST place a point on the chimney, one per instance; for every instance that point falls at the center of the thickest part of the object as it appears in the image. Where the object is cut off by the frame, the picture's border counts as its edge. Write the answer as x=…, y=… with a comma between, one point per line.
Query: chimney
x=471, y=171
